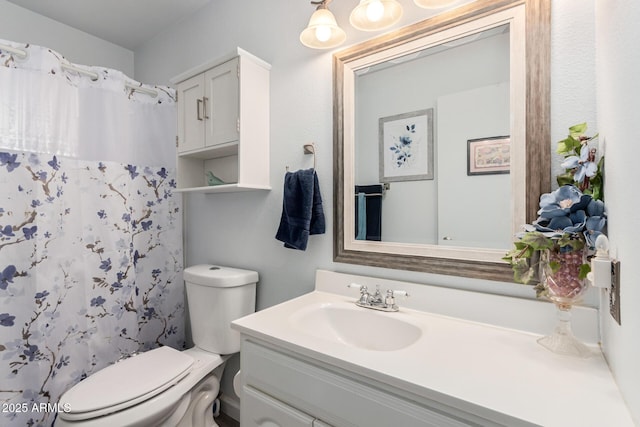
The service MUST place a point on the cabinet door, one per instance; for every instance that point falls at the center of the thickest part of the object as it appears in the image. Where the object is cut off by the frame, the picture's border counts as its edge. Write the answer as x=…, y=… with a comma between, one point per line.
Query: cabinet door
x=222, y=94
x=261, y=410
x=190, y=114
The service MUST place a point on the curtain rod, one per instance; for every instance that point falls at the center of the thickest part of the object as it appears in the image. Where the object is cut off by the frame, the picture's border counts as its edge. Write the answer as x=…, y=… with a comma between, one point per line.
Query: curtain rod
x=23, y=54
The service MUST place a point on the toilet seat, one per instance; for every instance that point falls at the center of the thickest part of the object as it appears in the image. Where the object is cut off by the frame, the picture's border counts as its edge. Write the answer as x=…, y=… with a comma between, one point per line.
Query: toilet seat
x=111, y=389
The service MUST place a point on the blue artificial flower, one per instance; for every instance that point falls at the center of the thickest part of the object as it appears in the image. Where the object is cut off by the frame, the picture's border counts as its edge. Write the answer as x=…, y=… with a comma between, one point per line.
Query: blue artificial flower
x=567, y=210
x=595, y=208
x=593, y=228
x=583, y=166
x=563, y=201
x=146, y=225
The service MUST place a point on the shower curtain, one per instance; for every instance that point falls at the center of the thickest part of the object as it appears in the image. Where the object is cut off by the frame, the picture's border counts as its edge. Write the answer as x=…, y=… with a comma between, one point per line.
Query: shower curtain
x=90, y=229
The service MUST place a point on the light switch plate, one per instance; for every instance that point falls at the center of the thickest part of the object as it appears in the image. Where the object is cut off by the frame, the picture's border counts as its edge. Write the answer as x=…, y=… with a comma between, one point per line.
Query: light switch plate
x=614, y=293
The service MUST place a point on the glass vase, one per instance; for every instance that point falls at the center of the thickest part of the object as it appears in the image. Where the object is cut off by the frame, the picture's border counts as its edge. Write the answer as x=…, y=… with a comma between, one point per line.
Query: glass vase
x=560, y=272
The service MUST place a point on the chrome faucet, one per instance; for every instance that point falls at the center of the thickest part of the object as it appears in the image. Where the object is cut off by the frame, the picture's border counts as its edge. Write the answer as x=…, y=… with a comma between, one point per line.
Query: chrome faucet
x=377, y=301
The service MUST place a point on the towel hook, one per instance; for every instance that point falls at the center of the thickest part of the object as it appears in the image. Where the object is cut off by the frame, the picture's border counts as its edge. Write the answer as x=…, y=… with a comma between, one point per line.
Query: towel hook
x=309, y=149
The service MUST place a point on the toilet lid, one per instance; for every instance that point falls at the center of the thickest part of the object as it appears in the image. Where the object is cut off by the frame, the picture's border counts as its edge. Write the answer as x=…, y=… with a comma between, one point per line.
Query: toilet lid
x=126, y=383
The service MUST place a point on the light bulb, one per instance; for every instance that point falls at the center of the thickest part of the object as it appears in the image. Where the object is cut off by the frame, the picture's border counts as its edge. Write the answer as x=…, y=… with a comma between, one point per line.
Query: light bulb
x=374, y=15
x=323, y=33
x=375, y=10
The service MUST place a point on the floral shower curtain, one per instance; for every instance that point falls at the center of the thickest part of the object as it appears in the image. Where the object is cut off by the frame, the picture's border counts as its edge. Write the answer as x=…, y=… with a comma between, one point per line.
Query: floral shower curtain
x=90, y=230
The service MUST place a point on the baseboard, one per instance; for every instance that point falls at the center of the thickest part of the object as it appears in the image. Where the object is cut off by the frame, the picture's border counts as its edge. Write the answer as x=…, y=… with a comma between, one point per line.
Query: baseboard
x=231, y=406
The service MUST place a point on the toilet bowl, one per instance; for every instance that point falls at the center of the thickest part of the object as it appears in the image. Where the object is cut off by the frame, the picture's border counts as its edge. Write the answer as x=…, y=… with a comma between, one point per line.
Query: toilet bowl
x=164, y=386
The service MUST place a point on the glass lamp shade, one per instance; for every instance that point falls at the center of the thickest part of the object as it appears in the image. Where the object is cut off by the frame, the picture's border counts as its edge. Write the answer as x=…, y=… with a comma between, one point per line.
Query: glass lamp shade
x=373, y=15
x=434, y=4
x=323, y=31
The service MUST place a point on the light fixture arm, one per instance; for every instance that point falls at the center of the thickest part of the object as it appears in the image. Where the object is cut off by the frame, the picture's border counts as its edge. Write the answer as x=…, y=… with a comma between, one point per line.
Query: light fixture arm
x=322, y=4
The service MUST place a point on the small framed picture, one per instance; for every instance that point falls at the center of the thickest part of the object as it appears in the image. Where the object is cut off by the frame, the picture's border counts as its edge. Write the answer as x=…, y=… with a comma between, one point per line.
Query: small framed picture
x=488, y=156
x=406, y=146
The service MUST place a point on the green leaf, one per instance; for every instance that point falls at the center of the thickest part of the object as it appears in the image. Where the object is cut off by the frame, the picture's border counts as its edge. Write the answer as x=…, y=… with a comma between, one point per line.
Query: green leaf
x=564, y=179
x=571, y=241
x=537, y=241
x=541, y=291
x=576, y=131
x=584, y=270
x=554, y=266
x=567, y=146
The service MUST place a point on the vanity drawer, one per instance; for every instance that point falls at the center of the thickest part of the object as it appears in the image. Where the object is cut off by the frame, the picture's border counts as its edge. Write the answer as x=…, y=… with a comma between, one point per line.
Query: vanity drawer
x=335, y=397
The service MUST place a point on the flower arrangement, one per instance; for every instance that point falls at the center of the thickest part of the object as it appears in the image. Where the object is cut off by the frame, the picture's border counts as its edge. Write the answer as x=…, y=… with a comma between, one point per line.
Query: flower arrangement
x=570, y=219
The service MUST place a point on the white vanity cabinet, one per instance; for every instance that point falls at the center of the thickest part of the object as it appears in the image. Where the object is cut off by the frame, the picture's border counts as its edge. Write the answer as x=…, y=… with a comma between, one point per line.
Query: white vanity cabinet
x=288, y=389
x=311, y=357
x=223, y=124
x=261, y=410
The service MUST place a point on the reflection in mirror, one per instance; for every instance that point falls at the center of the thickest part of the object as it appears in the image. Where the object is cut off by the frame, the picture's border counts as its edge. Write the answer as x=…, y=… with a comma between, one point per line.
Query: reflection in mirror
x=441, y=139
x=447, y=189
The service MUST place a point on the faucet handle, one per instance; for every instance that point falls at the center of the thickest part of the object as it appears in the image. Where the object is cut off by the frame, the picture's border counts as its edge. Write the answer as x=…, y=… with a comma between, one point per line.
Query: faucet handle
x=361, y=288
x=399, y=293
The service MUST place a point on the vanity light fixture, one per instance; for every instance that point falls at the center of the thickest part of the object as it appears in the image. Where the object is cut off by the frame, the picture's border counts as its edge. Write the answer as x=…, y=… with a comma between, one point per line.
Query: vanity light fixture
x=323, y=31
x=373, y=15
x=434, y=4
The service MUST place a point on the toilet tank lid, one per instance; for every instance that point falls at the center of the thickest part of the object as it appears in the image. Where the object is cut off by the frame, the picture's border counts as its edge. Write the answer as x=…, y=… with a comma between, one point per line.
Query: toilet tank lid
x=219, y=277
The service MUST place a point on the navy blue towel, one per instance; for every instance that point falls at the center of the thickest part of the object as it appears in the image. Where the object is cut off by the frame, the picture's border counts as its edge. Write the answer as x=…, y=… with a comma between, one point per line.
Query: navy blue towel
x=302, y=212
x=373, y=211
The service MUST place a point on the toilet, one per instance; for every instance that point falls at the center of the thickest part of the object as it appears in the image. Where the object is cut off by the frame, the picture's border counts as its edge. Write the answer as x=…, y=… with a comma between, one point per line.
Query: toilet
x=164, y=386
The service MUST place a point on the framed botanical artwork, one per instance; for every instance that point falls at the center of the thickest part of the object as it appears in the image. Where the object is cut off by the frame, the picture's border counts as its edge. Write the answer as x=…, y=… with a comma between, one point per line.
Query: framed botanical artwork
x=488, y=156
x=406, y=146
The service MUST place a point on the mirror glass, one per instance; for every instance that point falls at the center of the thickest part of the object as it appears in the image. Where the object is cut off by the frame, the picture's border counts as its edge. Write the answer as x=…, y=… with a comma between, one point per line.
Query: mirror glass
x=441, y=131
x=440, y=139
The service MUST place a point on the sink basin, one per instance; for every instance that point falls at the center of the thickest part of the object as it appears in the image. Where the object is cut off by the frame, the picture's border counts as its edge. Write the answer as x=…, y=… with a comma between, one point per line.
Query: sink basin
x=356, y=326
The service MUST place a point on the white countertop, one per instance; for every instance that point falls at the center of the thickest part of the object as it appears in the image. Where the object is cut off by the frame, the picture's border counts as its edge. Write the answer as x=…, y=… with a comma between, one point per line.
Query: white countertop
x=488, y=370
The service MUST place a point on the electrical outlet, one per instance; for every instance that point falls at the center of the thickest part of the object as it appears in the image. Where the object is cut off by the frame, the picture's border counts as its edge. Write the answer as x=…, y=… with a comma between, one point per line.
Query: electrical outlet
x=614, y=293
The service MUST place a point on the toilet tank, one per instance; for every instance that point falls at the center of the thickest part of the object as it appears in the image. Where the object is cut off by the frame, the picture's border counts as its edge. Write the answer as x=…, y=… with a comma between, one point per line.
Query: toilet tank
x=216, y=296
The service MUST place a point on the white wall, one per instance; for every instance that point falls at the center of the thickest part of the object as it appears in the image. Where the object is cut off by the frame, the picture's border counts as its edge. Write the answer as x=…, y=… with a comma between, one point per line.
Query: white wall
x=23, y=26
x=618, y=91
x=238, y=229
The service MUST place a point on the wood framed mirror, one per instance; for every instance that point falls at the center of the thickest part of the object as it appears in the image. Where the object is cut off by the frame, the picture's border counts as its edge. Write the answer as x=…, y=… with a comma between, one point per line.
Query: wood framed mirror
x=392, y=92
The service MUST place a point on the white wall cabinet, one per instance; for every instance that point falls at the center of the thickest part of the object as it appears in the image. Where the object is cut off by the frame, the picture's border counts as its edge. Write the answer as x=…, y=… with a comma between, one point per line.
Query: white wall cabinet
x=223, y=124
x=281, y=388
